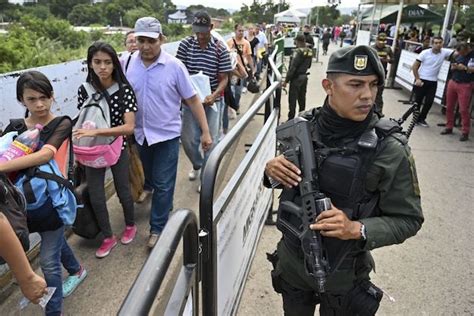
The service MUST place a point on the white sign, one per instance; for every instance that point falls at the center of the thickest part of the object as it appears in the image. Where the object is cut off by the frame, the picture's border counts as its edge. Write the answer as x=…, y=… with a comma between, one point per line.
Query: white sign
x=238, y=229
x=363, y=38
x=405, y=76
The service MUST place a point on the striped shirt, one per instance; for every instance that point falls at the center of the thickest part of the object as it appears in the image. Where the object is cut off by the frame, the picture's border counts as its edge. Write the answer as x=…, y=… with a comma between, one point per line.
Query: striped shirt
x=212, y=60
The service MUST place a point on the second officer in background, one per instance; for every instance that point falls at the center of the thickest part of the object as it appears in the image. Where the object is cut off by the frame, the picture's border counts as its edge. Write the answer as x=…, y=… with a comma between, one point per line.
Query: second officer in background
x=297, y=75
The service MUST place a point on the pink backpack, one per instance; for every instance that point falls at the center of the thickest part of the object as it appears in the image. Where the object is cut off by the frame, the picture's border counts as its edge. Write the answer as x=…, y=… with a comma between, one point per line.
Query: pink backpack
x=100, y=151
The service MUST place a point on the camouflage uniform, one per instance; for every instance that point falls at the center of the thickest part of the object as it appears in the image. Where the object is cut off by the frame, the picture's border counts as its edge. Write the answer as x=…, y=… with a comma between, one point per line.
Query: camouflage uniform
x=298, y=79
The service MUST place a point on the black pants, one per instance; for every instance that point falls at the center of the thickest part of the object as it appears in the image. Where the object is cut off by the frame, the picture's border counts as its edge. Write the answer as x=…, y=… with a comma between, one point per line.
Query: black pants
x=297, y=302
x=297, y=93
x=427, y=91
x=95, y=179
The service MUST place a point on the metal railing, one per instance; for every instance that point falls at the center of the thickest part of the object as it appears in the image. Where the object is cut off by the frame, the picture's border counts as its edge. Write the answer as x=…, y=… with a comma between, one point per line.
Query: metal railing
x=206, y=207
x=141, y=296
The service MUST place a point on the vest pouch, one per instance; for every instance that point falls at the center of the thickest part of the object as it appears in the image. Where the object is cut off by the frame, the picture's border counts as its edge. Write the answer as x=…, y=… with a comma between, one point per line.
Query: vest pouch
x=335, y=168
x=44, y=218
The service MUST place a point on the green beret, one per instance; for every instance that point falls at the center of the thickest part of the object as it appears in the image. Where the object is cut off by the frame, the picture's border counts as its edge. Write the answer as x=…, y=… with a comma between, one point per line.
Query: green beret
x=382, y=37
x=359, y=61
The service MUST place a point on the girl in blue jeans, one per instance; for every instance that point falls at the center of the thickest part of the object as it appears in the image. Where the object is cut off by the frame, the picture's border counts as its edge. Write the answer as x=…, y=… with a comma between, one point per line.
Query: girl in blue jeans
x=35, y=92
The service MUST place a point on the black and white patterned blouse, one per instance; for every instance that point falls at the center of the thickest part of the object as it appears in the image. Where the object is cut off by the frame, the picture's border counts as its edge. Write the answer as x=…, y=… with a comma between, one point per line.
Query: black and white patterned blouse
x=118, y=108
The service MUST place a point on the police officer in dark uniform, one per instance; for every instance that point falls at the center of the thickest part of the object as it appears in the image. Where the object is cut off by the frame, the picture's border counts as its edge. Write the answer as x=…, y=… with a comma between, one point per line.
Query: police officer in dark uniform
x=386, y=57
x=297, y=75
x=367, y=170
x=308, y=38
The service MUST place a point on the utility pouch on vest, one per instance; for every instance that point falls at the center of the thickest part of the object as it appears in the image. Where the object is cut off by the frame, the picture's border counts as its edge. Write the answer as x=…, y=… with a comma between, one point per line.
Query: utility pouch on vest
x=364, y=299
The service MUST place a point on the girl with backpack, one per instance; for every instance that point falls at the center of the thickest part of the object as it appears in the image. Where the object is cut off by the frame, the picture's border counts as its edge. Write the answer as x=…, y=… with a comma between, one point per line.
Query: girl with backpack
x=35, y=92
x=107, y=84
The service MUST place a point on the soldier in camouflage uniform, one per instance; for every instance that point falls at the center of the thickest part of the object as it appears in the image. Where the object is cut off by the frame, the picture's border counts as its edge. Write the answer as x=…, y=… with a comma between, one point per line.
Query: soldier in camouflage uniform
x=386, y=57
x=297, y=75
x=372, y=185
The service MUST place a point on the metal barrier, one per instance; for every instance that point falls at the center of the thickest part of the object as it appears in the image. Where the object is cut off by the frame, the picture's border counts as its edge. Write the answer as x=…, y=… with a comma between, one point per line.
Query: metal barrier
x=140, y=298
x=270, y=97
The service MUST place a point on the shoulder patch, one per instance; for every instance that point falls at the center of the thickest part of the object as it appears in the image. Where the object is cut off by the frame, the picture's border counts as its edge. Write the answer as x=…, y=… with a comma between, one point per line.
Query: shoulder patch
x=414, y=176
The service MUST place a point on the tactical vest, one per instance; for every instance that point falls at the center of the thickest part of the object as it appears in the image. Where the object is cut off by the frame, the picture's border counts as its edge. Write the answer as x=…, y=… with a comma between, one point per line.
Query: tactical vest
x=307, y=55
x=350, y=164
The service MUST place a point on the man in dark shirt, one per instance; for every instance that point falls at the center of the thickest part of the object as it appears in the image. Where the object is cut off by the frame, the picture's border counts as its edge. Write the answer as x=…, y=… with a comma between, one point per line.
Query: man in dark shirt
x=308, y=38
x=460, y=90
x=425, y=45
x=326, y=40
x=386, y=57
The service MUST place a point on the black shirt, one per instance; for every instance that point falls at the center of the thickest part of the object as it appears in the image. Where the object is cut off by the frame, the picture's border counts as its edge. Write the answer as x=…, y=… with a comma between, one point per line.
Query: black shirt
x=463, y=76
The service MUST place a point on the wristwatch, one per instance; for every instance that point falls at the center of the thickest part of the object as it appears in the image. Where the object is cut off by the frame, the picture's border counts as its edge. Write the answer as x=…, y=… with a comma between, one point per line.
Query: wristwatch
x=363, y=232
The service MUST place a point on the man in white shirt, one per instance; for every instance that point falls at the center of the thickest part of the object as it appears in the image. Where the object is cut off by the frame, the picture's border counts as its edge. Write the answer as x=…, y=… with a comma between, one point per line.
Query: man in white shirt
x=261, y=46
x=426, y=69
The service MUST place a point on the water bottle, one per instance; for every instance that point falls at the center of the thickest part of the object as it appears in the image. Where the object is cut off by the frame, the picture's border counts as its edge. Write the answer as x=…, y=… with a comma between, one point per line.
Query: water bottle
x=25, y=144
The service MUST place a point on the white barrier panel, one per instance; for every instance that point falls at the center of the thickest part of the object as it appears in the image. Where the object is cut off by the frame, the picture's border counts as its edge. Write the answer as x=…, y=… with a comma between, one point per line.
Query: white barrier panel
x=405, y=76
x=239, y=228
x=363, y=38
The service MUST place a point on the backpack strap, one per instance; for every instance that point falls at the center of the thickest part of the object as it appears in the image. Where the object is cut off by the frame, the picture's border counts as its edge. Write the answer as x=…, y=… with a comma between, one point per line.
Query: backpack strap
x=48, y=131
x=16, y=125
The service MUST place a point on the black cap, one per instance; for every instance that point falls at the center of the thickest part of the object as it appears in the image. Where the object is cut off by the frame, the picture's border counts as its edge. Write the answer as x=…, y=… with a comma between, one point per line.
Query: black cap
x=359, y=61
x=202, y=22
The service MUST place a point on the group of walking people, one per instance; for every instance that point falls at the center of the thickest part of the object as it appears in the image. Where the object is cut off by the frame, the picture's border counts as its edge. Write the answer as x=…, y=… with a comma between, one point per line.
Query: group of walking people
x=152, y=98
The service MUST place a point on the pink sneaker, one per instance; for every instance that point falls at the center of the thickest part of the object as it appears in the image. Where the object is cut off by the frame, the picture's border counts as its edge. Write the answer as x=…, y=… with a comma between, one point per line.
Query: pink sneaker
x=106, y=247
x=128, y=234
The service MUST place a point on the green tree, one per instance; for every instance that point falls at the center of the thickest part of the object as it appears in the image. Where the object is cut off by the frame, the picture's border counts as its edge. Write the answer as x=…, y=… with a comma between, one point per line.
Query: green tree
x=85, y=14
x=62, y=8
x=327, y=15
x=259, y=11
x=132, y=15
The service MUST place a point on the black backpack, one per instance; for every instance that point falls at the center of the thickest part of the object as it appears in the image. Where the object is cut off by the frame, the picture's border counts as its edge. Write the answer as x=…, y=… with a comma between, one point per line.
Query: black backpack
x=13, y=206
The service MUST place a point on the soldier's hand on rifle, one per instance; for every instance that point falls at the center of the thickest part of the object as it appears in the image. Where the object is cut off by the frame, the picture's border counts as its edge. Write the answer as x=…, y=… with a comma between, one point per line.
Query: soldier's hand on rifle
x=283, y=171
x=335, y=223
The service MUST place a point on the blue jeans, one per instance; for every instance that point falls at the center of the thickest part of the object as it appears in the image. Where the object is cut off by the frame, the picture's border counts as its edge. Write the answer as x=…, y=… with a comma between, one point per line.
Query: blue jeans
x=55, y=251
x=160, y=164
x=191, y=134
x=237, y=90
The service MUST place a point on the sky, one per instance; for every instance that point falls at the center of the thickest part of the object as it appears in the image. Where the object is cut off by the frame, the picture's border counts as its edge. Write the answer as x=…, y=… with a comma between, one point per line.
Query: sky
x=237, y=4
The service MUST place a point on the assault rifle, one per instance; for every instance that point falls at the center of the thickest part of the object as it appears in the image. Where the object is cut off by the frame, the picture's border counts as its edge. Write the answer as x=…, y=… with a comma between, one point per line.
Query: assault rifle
x=294, y=138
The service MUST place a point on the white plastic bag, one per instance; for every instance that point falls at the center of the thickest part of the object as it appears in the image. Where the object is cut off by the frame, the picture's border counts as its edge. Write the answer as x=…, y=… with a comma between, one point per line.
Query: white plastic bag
x=202, y=85
x=6, y=140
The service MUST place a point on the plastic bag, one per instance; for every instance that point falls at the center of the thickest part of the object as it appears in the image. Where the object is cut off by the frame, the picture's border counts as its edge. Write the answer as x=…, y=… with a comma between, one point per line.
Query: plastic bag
x=6, y=140
x=202, y=85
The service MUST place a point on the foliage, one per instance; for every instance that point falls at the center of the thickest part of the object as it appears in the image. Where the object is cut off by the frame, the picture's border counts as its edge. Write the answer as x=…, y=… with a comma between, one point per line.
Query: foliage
x=35, y=42
x=213, y=12
x=259, y=12
x=85, y=14
x=328, y=15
